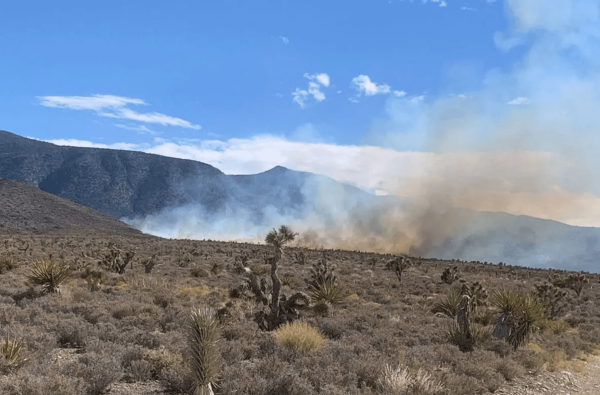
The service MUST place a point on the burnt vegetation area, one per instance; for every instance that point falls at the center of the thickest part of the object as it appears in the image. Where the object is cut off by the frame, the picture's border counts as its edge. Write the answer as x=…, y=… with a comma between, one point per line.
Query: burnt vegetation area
x=107, y=314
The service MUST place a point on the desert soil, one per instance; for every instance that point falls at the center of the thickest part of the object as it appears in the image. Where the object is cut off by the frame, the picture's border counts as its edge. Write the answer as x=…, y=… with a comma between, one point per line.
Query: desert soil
x=562, y=382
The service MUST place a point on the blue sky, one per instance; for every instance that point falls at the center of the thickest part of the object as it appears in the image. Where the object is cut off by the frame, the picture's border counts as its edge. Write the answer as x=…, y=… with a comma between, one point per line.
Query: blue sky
x=492, y=104
x=232, y=66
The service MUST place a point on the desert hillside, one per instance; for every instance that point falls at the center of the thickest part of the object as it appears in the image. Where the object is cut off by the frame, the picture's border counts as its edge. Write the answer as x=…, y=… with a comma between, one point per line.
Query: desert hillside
x=26, y=209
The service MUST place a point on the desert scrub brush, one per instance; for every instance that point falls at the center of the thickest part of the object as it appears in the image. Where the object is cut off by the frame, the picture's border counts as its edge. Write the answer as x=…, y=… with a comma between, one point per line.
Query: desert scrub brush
x=203, y=336
x=299, y=336
x=11, y=351
x=50, y=274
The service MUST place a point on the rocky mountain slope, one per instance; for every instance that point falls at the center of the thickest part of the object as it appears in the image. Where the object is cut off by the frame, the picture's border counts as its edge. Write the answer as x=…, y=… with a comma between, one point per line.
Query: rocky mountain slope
x=183, y=198
x=25, y=209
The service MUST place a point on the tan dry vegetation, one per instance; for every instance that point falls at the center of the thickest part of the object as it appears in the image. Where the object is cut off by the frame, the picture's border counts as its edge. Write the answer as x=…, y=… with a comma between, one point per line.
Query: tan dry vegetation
x=128, y=336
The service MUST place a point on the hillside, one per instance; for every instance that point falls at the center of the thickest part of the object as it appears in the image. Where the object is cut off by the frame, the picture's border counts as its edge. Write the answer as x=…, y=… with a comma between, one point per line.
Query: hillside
x=188, y=199
x=25, y=209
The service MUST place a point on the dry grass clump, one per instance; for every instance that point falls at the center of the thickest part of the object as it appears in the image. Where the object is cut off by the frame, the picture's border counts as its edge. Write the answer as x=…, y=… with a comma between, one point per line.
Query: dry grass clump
x=299, y=336
x=402, y=381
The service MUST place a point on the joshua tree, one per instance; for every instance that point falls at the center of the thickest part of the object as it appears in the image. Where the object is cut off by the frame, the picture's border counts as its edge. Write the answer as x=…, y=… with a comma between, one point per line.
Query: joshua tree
x=281, y=309
x=575, y=281
x=398, y=264
x=450, y=275
x=117, y=261
x=552, y=298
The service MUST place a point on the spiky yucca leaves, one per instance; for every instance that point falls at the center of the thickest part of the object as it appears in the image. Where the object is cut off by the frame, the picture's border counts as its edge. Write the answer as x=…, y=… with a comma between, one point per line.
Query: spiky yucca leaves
x=327, y=292
x=519, y=314
x=50, y=274
x=449, y=304
x=455, y=335
x=323, y=284
x=203, y=336
x=11, y=350
x=557, y=327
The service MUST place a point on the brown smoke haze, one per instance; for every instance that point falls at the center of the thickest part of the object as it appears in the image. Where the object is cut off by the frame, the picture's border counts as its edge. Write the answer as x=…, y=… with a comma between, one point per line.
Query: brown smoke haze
x=525, y=143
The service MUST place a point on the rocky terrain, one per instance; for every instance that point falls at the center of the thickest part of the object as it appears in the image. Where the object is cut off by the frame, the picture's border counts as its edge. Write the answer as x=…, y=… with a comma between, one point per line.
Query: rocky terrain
x=25, y=209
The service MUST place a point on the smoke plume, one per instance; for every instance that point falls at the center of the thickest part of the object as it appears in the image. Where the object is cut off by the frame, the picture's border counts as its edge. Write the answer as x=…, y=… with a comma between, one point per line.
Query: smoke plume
x=525, y=143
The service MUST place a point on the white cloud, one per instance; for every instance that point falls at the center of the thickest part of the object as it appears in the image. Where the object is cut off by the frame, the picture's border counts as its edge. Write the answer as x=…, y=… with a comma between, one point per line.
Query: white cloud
x=441, y=3
x=519, y=101
x=364, y=85
x=316, y=81
x=137, y=128
x=321, y=78
x=113, y=107
x=468, y=9
x=284, y=39
x=399, y=93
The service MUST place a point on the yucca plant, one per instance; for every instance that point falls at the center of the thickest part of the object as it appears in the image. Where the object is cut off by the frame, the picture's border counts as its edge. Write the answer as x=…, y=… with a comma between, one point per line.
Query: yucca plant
x=50, y=274
x=327, y=292
x=519, y=316
x=12, y=352
x=449, y=304
x=557, y=327
x=203, y=336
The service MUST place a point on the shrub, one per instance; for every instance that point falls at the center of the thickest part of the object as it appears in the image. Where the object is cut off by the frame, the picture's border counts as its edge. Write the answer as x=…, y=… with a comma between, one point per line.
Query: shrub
x=327, y=292
x=557, y=327
x=299, y=336
x=520, y=316
x=454, y=334
x=198, y=272
x=50, y=274
x=11, y=350
x=484, y=318
x=8, y=263
x=448, y=305
x=260, y=270
x=402, y=381
x=203, y=335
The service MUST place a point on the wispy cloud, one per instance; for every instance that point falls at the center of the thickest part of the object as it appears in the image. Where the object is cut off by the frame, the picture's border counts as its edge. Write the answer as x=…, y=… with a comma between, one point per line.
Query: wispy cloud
x=364, y=86
x=316, y=82
x=284, y=39
x=137, y=128
x=114, y=107
x=519, y=101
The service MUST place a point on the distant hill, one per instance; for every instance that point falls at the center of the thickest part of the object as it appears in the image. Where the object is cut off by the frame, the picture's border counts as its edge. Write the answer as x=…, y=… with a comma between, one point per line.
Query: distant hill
x=130, y=184
x=184, y=198
x=26, y=209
